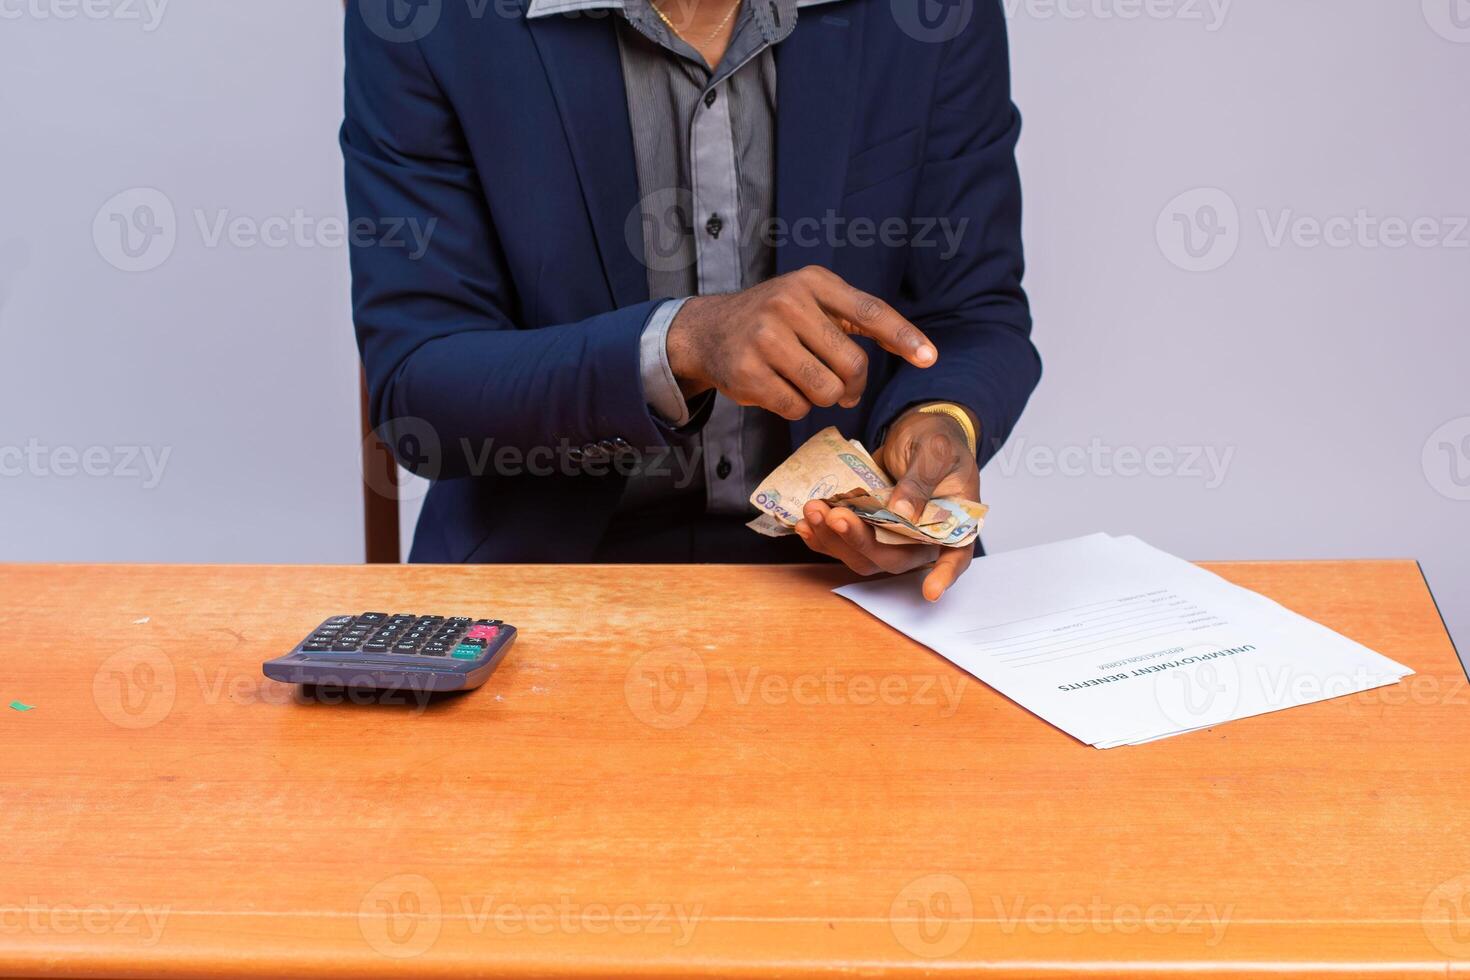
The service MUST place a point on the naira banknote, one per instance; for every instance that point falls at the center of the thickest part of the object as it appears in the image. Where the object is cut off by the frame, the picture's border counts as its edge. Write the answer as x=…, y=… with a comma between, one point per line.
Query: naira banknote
x=840, y=472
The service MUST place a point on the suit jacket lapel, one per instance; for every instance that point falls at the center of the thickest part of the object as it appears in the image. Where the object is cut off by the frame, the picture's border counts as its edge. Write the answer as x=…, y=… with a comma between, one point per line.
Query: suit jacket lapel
x=816, y=81
x=586, y=74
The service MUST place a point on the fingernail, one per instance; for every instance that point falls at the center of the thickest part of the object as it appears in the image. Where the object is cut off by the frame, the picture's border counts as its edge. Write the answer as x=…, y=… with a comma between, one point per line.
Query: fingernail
x=815, y=519
x=925, y=354
x=850, y=402
x=903, y=509
x=839, y=526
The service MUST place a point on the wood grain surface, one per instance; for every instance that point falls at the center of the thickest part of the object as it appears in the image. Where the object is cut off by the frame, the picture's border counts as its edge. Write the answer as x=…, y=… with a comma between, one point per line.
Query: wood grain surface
x=710, y=770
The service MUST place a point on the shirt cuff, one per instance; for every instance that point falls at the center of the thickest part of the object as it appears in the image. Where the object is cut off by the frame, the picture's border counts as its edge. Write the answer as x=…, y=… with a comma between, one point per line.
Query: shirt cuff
x=660, y=388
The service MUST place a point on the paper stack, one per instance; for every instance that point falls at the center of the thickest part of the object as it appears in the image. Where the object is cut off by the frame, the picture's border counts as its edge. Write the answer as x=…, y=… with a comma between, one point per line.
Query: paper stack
x=1118, y=643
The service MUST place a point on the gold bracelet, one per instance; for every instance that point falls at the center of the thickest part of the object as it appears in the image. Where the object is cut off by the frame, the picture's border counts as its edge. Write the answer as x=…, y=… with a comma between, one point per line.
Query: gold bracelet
x=959, y=415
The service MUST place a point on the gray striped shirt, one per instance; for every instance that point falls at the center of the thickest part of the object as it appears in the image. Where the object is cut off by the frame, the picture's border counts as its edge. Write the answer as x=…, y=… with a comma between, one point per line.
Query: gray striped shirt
x=704, y=142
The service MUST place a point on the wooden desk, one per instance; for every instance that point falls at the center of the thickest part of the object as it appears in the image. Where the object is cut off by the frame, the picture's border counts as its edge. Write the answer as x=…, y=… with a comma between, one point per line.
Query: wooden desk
x=692, y=770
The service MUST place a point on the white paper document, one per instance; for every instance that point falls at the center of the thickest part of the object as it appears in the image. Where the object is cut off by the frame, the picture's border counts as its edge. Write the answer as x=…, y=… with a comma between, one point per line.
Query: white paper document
x=1118, y=643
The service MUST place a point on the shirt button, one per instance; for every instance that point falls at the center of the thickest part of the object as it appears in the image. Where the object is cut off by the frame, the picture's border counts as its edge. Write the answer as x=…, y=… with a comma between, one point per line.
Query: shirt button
x=722, y=469
x=709, y=98
x=713, y=225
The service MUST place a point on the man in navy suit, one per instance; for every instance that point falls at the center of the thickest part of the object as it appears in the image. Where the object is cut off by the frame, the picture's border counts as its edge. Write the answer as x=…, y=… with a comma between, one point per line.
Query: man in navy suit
x=670, y=240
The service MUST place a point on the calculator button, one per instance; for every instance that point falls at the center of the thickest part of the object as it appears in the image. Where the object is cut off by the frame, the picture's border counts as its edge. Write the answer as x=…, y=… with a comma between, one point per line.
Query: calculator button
x=426, y=652
x=467, y=653
x=372, y=617
x=345, y=645
x=487, y=622
x=434, y=646
x=310, y=647
x=338, y=621
x=375, y=646
x=474, y=641
x=458, y=621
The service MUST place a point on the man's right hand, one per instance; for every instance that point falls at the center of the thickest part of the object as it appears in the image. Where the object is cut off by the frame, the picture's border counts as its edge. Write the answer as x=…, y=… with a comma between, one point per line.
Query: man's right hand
x=786, y=345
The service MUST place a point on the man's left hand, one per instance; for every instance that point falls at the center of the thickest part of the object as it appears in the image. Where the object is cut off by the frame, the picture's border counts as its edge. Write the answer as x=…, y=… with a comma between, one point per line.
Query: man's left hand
x=929, y=456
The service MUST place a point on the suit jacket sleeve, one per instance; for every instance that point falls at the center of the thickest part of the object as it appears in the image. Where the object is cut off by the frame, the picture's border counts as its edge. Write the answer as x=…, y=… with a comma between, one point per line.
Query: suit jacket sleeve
x=437, y=330
x=968, y=297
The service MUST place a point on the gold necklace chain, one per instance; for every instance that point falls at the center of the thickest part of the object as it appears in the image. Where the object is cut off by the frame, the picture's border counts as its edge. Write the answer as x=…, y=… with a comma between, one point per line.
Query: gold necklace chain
x=712, y=34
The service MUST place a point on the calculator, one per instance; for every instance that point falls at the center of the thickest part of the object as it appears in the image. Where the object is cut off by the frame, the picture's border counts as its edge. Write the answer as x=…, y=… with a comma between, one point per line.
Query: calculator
x=398, y=652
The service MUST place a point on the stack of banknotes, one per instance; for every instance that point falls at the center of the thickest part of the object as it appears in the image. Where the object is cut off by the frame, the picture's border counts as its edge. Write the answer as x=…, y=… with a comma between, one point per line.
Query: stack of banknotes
x=842, y=473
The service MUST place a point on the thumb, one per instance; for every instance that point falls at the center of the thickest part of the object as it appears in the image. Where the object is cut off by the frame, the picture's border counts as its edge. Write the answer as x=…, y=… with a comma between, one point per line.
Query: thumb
x=931, y=462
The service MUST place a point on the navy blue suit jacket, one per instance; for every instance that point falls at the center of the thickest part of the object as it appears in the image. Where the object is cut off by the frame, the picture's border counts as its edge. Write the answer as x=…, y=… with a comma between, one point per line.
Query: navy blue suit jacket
x=517, y=327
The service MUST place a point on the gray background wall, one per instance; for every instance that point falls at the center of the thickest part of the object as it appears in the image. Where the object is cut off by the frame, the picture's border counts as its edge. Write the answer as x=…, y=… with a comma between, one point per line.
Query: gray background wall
x=1246, y=227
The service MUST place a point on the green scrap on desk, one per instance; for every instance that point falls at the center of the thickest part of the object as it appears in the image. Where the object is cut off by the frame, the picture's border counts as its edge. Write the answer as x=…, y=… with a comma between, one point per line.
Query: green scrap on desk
x=21, y=707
